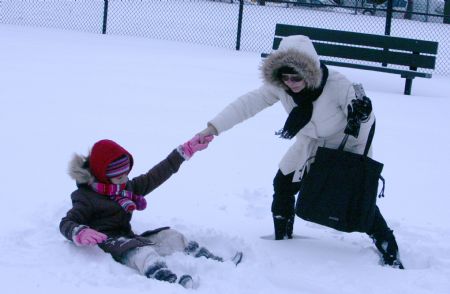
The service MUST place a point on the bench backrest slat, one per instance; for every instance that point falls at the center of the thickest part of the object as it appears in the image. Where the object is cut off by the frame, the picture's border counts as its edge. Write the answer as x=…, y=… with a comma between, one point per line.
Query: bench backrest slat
x=371, y=54
x=375, y=55
x=362, y=39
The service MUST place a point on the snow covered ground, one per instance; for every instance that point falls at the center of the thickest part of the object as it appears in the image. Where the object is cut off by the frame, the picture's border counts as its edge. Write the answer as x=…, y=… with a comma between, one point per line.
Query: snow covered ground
x=61, y=91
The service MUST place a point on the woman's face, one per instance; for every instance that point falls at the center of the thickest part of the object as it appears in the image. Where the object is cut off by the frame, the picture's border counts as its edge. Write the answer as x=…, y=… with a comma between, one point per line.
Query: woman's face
x=294, y=82
x=122, y=179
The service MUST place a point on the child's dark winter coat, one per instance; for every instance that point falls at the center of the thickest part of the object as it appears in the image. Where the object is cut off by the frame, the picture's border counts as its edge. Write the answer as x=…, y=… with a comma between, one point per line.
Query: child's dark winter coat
x=105, y=215
x=104, y=203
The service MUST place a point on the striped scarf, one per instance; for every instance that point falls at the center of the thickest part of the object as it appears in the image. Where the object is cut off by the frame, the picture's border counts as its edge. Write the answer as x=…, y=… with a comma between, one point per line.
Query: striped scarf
x=127, y=199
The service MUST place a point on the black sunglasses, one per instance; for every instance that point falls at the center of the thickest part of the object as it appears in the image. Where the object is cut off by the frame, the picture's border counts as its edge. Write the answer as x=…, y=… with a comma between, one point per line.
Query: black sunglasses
x=292, y=78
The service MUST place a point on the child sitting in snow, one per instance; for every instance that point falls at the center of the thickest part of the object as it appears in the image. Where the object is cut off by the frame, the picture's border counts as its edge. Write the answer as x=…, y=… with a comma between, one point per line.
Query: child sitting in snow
x=105, y=200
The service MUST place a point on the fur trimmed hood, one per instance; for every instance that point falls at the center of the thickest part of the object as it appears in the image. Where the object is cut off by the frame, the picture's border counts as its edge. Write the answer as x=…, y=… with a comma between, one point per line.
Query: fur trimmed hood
x=298, y=53
x=79, y=170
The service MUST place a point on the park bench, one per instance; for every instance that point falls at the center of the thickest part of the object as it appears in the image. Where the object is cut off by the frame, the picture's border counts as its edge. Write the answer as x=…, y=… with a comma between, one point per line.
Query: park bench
x=381, y=53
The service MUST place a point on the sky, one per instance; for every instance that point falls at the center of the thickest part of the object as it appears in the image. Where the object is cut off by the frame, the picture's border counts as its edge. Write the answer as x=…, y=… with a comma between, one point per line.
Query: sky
x=61, y=91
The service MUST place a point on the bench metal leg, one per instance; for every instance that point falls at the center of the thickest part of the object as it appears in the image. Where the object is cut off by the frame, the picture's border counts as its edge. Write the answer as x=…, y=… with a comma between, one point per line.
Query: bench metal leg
x=408, y=85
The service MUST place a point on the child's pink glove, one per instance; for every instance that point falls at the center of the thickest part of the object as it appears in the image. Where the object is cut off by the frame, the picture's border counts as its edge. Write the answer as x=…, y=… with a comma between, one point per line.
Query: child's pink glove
x=89, y=236
x=195, y=144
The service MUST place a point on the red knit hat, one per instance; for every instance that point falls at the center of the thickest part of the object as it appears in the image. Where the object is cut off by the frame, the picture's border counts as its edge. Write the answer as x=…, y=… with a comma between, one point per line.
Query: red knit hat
x=103, y=153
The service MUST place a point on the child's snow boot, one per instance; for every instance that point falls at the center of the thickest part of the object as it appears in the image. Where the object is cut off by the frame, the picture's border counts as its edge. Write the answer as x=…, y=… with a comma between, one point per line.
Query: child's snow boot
x=237, y=258
x=186, y=281
x=203, y=252
x=160, y=272
x=194, y=249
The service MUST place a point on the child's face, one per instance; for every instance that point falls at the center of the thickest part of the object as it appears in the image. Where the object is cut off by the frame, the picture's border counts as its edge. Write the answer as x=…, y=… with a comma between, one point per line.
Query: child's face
x=122, y=179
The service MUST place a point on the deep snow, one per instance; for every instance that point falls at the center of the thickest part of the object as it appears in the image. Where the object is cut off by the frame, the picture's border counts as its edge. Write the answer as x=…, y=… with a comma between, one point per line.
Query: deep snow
x=61, y=91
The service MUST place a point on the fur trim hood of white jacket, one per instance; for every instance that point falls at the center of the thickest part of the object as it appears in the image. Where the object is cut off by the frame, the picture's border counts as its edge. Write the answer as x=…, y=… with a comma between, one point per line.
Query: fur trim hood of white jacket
x=296, y=52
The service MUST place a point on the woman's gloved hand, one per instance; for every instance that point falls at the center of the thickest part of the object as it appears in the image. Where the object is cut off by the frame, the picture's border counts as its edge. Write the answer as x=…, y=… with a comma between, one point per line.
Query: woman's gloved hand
x=209, y=131
x=195, y=144
x=358, y=112
x=362, y=108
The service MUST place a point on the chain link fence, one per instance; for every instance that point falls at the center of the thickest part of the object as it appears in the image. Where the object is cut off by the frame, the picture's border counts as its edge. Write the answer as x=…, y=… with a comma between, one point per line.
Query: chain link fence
x=80, y=15
x=236, y=24
x=202, y=22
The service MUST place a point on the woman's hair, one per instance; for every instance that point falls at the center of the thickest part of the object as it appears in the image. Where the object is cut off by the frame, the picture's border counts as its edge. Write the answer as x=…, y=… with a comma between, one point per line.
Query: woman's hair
x=286, y=70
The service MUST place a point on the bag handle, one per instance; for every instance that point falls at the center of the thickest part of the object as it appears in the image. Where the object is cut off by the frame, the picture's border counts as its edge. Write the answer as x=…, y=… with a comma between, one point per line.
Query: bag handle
x=369, y=139
x=343, y=142
x=368, y=143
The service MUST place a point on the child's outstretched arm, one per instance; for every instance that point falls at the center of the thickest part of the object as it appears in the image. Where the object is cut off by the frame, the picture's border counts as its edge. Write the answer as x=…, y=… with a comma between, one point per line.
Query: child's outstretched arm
x=158, y=174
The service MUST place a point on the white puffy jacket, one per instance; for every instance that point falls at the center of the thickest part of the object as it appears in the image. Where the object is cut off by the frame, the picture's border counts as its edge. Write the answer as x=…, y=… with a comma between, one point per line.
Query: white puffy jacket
x=329, y=117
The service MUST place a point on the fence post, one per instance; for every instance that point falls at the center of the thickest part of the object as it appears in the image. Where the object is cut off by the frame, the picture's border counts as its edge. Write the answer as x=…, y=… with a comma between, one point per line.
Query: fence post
x=409, y=9
x=105, y=17
x=447, y=11
x=387, y=28
x=239, y=29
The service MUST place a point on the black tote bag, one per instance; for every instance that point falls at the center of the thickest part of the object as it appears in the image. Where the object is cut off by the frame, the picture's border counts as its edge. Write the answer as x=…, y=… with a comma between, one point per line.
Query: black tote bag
x=340, y=189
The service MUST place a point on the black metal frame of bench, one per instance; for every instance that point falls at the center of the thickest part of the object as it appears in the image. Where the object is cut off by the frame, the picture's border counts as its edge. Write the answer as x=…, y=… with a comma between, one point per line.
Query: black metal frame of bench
x=387, y=50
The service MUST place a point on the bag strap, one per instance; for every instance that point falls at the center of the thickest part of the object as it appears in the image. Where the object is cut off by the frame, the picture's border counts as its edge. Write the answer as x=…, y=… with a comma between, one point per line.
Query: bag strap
x=369, y=139
x=366, y=151
x=343, y=142
x=368, y=143
x=382, y=189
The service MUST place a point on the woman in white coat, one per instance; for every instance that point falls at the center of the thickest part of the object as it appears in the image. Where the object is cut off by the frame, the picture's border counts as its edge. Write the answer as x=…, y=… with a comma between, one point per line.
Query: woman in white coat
x=320, y=102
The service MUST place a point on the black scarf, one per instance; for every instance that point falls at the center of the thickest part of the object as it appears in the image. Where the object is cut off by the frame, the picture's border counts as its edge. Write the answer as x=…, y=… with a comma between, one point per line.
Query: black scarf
x=302, y=113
